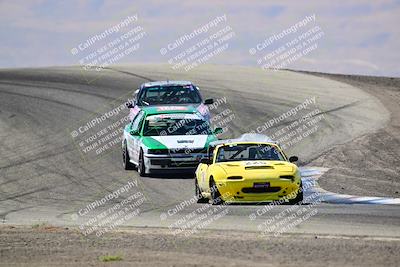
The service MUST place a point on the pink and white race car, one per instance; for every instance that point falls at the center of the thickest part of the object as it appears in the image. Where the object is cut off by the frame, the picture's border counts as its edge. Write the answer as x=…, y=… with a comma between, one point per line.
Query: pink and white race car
x=174, y=93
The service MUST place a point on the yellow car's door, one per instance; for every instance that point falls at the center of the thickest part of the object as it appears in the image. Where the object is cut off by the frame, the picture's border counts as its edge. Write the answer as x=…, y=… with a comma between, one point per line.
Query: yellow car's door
x=202, y=177
x=204, y=171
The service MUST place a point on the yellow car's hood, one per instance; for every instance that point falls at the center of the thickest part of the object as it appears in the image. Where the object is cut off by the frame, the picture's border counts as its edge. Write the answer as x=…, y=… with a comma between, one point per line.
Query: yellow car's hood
x=258, y=167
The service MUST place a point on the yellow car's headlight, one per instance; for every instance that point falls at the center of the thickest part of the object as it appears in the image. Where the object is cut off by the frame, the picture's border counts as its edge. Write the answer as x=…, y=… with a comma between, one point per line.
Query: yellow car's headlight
x=287, y=177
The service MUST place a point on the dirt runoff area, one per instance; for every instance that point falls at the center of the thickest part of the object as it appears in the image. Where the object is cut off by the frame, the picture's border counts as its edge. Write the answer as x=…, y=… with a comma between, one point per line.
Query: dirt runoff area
x=370, y=164
x=53, y=246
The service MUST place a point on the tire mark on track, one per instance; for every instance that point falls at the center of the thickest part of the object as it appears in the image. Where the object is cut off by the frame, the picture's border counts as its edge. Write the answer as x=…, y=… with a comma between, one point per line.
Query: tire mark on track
x=46, y=100
x=36, y=158
x=43, y=85
x=130, y=74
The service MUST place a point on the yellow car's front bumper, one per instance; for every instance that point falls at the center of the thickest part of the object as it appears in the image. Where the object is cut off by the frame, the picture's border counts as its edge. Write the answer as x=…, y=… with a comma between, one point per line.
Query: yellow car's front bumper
x=258, y=190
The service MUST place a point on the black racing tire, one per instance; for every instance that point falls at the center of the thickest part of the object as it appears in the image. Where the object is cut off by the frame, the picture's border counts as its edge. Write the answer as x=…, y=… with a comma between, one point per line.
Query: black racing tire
x=215, y=194
x=200, y=198
x=299, y=197
x=141, y=165
x=126, y=159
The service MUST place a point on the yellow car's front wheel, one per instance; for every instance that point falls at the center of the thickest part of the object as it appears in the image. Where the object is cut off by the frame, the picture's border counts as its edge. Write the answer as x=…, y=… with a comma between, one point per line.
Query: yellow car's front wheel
x=299, y=197
x=215, y=194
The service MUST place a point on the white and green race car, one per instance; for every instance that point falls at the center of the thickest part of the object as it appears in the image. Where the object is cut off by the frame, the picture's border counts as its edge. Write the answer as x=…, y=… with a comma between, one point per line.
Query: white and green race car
x=162, y=138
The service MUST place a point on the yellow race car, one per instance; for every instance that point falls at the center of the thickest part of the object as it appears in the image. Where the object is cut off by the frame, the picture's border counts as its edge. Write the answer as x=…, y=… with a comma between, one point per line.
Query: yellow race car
x=252, y=168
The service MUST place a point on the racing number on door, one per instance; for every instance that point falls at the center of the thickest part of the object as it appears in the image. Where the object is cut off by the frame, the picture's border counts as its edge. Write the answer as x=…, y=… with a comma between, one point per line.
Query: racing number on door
x=135, y=137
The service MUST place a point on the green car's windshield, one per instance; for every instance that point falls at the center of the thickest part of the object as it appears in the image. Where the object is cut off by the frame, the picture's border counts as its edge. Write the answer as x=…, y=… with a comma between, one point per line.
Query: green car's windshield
x=175, y=124
x=239, y=152
x=159, y=95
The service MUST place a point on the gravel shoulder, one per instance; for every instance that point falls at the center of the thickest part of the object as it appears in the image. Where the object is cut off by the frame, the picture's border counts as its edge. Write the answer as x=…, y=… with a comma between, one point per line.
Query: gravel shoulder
x=52, y=246
x=368, y=165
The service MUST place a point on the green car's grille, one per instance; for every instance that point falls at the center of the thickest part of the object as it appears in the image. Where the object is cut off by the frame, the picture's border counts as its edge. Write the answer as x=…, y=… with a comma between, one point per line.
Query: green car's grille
x=176, y=151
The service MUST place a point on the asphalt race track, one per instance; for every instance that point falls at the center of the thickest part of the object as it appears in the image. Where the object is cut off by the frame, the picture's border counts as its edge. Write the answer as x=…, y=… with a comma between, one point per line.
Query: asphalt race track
x=45, y=178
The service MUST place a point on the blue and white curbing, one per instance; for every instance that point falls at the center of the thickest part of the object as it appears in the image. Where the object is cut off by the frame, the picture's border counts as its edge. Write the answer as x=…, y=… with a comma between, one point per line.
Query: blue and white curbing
x=310, y=176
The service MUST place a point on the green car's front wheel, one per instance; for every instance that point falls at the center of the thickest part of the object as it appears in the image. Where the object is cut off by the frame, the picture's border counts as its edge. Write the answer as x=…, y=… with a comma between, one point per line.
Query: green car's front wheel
x=142, y=165
x=125, y=158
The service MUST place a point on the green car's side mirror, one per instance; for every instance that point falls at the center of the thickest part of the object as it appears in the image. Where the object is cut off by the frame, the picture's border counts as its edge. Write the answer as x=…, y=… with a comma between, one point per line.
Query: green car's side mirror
x=208, y=101
x=218, y=130
x=134, y=132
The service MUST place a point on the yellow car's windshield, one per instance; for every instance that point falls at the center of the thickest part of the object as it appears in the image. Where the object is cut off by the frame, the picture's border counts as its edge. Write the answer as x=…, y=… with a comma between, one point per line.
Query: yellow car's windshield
x=239, y=152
